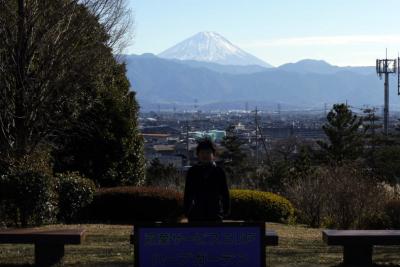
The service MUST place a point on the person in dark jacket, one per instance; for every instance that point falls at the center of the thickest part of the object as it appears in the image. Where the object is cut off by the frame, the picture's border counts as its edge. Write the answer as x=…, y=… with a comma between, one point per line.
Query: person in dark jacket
x=206, y=196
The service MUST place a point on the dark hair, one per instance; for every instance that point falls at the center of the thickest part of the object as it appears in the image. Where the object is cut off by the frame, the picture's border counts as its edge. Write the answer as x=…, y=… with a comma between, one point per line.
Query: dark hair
x=205, y=143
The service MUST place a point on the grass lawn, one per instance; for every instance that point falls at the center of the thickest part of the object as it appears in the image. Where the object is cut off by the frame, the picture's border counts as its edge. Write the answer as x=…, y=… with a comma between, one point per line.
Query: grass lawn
x=108, y=245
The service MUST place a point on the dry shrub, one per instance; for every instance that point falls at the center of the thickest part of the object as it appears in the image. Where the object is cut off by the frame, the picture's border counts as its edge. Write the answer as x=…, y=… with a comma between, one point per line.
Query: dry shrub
x=341, y=197
x=308, y=196
x=355, y=199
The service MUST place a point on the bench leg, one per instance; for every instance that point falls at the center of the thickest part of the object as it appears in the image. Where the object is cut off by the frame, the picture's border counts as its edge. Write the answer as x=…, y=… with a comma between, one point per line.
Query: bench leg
x=357, y=255
x=49, y=255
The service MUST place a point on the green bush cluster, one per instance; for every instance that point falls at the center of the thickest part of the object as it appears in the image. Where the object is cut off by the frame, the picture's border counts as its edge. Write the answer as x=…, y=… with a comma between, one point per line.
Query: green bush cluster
x=260, y=206
x=28, y=198
x=392, y=211
x=75, y=192
x=31, y=197
x=128, y=205
x=69, y=197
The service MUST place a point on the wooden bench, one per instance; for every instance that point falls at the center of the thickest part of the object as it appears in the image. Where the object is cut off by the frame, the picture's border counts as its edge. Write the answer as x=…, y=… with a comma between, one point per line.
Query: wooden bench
x=271, y=237
x=358, y=244
x=49, y=244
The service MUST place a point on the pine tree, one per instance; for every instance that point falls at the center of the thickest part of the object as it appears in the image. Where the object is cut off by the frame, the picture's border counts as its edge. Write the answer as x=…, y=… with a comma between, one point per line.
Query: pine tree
x=162, y=175
x=373, y=139
x=345, y=139
x=302, y=167
x=235, y=159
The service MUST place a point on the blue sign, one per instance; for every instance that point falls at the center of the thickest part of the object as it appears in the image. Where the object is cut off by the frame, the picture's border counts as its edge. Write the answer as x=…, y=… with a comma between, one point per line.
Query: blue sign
x=208, y=245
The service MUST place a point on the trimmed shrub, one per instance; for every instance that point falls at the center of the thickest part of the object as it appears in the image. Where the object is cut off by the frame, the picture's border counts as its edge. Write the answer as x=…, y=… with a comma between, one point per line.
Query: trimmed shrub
x=392, y=211
x=260, y=206
x=75, y=192
x=127, y=205
x=28, y=197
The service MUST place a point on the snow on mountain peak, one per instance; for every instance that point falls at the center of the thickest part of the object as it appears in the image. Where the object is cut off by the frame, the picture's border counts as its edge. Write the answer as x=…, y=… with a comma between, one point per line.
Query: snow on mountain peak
x=211, y=47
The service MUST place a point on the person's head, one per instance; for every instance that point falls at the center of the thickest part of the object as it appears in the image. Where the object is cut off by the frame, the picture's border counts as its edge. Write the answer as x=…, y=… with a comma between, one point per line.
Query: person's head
x=205, y=150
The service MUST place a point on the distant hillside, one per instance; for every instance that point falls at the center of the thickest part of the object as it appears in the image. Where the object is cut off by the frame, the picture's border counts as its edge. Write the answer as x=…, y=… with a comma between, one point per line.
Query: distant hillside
x=322, y=67
x=164, y=81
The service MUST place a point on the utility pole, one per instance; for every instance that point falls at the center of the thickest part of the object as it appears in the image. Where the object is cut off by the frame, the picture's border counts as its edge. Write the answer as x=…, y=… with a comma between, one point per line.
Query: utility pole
x=187, y=143
x=398, y=74
x=279, y=111
x=256, y=122
x=247, y=112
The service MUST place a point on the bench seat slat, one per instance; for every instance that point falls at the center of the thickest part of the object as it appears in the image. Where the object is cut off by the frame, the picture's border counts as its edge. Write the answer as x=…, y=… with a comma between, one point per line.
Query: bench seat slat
x=31, y=236
x=361, y=237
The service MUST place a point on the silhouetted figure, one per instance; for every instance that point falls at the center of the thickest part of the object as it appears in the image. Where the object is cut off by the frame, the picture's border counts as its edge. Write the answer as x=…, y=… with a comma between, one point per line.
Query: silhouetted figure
x=206, y=191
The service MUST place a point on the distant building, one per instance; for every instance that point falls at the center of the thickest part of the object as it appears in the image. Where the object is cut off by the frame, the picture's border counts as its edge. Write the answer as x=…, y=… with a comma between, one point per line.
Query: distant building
x=161, y=129
x=155, y=137
x=214, y=135
x=286, y=132
x=240, y=126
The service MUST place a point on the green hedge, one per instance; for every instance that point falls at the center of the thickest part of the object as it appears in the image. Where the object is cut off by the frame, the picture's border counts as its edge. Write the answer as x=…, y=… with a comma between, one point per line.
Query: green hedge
x=127, y=205
x=260, y=206
x=132, y=204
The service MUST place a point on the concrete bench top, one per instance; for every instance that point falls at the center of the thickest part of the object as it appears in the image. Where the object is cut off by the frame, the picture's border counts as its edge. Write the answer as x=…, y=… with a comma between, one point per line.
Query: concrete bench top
x=271, y=237
x=32, y=235
x=361, y=237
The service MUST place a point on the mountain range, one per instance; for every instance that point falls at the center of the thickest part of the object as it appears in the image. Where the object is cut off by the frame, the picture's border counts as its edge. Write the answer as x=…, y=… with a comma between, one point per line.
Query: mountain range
x=190, y=76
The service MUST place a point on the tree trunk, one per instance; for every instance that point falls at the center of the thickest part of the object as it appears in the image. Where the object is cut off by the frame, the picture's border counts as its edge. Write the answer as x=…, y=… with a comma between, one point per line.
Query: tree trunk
x=20, y=116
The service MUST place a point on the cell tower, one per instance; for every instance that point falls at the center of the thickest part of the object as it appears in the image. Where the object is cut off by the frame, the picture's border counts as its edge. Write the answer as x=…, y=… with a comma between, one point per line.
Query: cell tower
x=384, y=67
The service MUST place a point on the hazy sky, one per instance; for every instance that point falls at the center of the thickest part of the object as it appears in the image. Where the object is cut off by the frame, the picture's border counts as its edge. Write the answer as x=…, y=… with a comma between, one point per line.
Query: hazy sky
x=342, y=32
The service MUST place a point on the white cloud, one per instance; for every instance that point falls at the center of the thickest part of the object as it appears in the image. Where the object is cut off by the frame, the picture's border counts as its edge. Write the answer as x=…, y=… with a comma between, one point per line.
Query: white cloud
x=326, y=41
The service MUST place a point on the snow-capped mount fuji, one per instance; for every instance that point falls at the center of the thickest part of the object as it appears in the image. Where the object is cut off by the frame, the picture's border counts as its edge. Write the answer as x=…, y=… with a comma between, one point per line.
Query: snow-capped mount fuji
x=211, y=47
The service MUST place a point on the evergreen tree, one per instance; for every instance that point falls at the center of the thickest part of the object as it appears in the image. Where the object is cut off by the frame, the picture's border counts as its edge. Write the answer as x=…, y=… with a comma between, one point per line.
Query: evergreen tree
x=342, y=130
x=105, y=144
x=235, y=159
x=159, y=174
x=373, y=138
x=302, y=167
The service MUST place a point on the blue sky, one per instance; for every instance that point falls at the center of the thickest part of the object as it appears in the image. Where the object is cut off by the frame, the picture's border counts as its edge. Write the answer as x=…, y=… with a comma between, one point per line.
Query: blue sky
x=342, y=32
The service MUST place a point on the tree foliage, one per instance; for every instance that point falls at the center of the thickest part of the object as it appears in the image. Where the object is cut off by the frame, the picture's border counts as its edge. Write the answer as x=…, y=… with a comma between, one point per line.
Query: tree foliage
x=342, y=130
x=62, y=88
x=234, y=158
x=161, y=175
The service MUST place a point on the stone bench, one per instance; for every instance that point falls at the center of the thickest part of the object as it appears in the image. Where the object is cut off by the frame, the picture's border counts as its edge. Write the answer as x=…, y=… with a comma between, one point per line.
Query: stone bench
x=358, y=244
x=49, y=244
